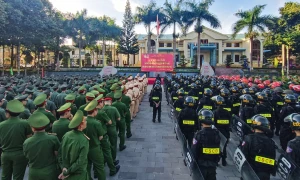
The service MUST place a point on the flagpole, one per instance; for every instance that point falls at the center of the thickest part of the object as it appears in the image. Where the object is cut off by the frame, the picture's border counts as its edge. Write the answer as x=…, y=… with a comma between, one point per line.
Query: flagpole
x=157, y=34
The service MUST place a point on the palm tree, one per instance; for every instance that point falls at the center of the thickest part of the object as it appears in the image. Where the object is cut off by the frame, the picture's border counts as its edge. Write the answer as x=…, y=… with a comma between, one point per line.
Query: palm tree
x=79, y=29
x=196, y=13
x=172, y=17
x=146, y=15
x=254, y=22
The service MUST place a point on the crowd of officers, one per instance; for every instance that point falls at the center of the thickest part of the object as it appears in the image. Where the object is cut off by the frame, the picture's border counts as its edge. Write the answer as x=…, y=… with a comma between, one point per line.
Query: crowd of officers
x=205, y=106
x=66, y=126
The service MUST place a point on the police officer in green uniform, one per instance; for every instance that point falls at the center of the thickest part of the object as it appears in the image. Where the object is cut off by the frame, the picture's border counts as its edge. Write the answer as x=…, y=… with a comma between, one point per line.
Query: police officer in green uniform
x=50, y=106
x=127, y=101
x=60, y=127
x=80, y=99
x=2, y=111
x=13, y=132
x=60, y=98
x=95, y=132
x=105, y=144
x=30, y=104
x=70, y=98
x=89, y=97
x=40, y=102
x=23, y=100
x=114, y=115
x=121, y=125
x=41, y=150
x=74, y=150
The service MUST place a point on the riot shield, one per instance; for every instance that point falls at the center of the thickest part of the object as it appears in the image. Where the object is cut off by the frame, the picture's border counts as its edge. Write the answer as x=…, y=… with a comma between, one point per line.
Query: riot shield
x=287, y=169
x=240, y=127
x=243, y=166
x=192, y=165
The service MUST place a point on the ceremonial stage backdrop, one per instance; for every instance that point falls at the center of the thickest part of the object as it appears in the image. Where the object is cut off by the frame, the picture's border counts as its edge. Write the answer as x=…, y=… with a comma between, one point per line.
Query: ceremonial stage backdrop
x=157, y=63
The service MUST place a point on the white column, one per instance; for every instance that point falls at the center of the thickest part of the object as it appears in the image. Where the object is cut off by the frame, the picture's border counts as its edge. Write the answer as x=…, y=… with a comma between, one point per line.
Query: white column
x=261, y=56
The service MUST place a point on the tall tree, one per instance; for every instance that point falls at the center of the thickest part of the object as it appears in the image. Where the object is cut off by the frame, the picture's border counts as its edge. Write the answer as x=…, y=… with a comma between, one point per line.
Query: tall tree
x=254, y=22
x=3, y=16
x=173, y=16
x=146, y=15
x=128, y=42
x=196, y=13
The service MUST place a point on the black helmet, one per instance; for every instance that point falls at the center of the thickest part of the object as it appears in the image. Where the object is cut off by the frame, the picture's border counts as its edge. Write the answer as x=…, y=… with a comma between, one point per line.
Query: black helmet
x=233, y=83
x=180, y=92
x=261, y=96
x=219, y=100
x=246, y=91
x=234, y=89
x=176, y=86
x=294, y=120
x=224, y=92
x=268, y=92
x=157, y=87
x=206, y=116
x=189, y=101
x=261, y=123
x=197, y=82
x=241, y=86
x=290, y=99
x=222, y=86
x=246, y=98
x=172, y=83
x=193, y=86
x=186, y=82
x=213, y=84
x=157, y=82
x=208, y=92
x=193, y=79
x=278, y=90
x=252, y=90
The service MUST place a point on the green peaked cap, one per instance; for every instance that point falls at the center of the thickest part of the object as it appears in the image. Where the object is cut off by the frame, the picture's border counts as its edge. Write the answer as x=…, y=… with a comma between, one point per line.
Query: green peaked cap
x=64, y=107
x=99, y=97
x=91, y=106
x=70, y=97
x=89, y=94
x=117, y=94
x=77, y=119
x=40, y=99
x=15, y=106
x=38, y=120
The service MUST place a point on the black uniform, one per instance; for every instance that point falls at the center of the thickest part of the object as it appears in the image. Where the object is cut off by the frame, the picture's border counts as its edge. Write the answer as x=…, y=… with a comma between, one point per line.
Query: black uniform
x=179, y=104
x=260, y=152
x=235, y=104
x=195, y=94
x=286, y=134
x=156, y=97
x=277, y=103
x=188, y=123
x=293, y=150
x=265, y=110
x=206, y=150
x=222, y=120
x=206, y=103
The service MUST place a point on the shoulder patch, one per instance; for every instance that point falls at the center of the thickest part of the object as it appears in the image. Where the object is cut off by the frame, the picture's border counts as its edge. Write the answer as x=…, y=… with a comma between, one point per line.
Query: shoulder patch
x=194, y=141
x=289, y=150
x=243, y=143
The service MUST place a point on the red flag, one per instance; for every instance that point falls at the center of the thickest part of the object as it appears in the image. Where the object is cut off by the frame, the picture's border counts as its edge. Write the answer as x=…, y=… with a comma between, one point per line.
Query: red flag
x=157, y=25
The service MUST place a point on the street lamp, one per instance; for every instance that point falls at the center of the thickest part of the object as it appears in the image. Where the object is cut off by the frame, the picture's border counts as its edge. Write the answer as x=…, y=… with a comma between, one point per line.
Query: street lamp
x=261, y=56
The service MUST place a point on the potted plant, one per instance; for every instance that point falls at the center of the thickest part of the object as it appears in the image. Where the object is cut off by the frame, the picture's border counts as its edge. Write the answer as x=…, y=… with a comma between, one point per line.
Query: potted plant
x=182, y=61
x=228, y=62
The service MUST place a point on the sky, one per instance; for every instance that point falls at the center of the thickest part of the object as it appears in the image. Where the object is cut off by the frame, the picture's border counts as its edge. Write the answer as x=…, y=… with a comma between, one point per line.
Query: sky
x=223, y=9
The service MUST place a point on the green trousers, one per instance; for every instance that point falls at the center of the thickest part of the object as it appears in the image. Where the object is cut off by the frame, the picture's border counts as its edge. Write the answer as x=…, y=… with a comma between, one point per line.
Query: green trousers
x=105, y=145
x=128, y=122
x=95, y=157
x=121, y=127
x=47, y=173
x=113, y=138
x=13, y=164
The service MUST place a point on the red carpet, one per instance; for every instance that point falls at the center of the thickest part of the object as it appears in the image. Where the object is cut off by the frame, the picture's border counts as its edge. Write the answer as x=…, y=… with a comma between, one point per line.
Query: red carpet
x=152, y=80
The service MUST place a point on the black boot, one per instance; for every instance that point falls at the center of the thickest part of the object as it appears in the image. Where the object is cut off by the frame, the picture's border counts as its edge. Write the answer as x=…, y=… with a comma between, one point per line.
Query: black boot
x=224, y=162
x=116, y=162
x=159, y=120
x=153, y=120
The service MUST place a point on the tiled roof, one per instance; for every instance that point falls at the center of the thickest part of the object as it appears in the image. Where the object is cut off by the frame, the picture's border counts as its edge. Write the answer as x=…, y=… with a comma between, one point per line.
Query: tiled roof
x=237, y=37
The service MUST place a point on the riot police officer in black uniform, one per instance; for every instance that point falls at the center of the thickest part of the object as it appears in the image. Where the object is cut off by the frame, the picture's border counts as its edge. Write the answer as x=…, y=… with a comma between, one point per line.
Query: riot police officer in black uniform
x=227, y=102
x=247, y=110
x=188, y=119
x=235, y=99
x=174, y=95
x=179, y=103
x=259, y=149
x=156, y=97
x=293, y=147
x=194, y=93
x=286, y=134
x=206, y=146
x=263, y=108
x=206, y=101
x=222, y=119
x=277, y=102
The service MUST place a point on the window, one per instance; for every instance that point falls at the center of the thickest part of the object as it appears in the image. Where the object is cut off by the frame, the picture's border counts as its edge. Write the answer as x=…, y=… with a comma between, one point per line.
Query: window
x=236, y=44
x=237, y=58
x=161, y=44
x=73, y=52
x=169, y=44
x=228, y=56
x=228, y=44
x=204, y=41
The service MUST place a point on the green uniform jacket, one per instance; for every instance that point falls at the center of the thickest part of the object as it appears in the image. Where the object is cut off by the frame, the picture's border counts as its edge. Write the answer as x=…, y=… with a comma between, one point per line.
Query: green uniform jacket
x=80, y=100
x=60, y=99
x=126, y=100
x=73, y=109
x=25, y=114
x=112, y=113
x=82, y=109
x=53, y=96
x=48, y=114
x=111, y=94
x=60, y=127
x=50, y=106
x=122, y=109
x=30, y=105
x=103, y=118
x=2, y=115
x=13, y=133
x=39, y=150
x=74, y=153
x=93, y=130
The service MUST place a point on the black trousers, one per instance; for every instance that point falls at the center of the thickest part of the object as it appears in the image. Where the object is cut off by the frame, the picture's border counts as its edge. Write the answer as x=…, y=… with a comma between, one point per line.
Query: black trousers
x=209, y=173
x=155, y=110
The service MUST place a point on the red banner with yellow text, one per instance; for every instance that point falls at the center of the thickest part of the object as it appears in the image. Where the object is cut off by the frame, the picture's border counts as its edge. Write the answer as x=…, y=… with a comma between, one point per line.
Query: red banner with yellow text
x=157, y=62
